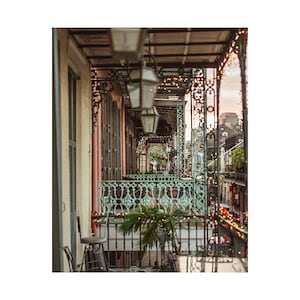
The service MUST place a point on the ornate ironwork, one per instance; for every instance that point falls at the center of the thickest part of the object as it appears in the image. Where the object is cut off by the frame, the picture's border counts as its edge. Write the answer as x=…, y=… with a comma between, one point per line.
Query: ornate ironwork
x=124, y=195
x=198, y=125
x=180, y=138
x=203, y=116
x=101, y=89
x=153, y=177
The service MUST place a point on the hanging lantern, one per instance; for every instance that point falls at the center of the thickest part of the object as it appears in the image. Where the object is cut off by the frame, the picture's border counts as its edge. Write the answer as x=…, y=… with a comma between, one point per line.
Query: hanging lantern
x=127, y=43
x=142, y=87
x=150, y=118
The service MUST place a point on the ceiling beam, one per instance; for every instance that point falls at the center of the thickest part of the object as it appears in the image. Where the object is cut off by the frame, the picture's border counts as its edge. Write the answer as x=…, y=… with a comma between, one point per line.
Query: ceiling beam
x=101, y=31
x=160, y=64
x=159, y=44
x=162, y=55
x=175, y=30
x=88, y=31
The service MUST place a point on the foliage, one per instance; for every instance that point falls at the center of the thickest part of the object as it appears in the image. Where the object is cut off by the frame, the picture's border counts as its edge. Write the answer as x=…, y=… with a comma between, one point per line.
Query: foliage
x=157, y=153
x=238, y=158
x=155, y=225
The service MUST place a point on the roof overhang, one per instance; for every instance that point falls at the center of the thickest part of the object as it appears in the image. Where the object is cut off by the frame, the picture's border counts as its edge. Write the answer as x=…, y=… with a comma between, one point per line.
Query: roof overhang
x=171, y=47
x=176, y=52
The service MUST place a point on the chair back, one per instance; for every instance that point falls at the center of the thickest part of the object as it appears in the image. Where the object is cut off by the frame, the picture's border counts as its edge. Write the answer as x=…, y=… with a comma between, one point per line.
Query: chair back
x=70, y=259
x=106, y=224
x=105, y=228
x=79, y=226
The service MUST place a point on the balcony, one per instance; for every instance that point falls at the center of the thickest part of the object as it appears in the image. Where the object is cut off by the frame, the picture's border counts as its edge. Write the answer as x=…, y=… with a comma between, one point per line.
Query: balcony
x=238, y=176
x=169, y=192
x=96, y=145
x=165, y=191
x=125, y=253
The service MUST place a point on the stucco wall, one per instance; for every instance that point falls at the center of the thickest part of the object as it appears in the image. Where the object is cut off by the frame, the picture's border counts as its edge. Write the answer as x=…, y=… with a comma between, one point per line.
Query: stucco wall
x=70, y=57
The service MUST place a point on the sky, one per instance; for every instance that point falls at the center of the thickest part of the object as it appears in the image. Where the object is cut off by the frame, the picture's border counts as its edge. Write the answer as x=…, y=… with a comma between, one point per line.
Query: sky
x=230, y=90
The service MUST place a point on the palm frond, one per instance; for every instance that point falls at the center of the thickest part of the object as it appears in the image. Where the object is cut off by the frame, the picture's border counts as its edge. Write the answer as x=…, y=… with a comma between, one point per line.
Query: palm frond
x=156, y=226
x=131, y=223
x=150, y=238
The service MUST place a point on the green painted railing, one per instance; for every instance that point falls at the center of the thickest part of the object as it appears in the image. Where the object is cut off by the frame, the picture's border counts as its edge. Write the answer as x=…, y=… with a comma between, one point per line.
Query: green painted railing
x=155, y=177
x=121, y=196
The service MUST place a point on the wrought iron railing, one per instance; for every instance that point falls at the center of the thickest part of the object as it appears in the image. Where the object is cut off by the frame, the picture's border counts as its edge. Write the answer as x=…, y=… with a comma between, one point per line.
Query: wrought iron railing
x=119, y=197
x=125, y=251
x=168, y=192
x=241, y=231
x=235, y=175
x=152, y=177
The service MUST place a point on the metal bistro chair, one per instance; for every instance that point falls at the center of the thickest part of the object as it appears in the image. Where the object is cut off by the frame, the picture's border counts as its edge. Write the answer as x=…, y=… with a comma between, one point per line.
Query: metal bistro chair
x=72, y=265
x=93, y=255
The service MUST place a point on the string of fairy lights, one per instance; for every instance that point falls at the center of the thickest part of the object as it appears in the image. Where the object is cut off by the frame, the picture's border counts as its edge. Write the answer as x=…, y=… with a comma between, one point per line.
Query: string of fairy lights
x=225, y=220
x=172, y=82
x=233, y=49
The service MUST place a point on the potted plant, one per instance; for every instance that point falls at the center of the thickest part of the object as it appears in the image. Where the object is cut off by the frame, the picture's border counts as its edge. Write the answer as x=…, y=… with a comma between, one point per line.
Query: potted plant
x=157, y=226
x=238, y=159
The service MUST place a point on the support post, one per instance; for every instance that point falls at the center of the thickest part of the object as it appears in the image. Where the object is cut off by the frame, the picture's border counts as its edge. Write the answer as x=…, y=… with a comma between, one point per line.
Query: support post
x=180, y=138
x=242, y=55
x=218, y=85
x=57, y=238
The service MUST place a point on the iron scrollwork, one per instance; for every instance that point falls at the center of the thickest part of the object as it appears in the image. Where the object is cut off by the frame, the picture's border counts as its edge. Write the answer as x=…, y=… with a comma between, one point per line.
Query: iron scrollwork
x=101, y=89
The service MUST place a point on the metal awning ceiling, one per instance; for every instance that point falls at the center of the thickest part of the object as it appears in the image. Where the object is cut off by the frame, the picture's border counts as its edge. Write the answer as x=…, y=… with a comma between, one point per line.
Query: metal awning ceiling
x=176, y=51
x=171, y=47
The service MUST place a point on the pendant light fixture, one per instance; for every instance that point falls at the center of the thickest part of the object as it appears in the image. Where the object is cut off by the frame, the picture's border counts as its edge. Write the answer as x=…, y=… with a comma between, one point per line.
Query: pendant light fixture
x=142, y=87
x=127, y=43
x=150, y=118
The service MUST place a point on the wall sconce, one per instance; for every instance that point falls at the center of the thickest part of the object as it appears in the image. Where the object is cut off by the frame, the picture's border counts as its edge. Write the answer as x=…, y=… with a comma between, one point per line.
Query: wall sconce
x=142, y=87
x=127, y=43
x=150, y=118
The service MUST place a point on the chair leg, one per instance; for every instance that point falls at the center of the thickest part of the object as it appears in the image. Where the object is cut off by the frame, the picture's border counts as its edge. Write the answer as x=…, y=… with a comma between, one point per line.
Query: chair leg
x=71, y=262
x=83, y=258
x=94, y=259
x=103, y=259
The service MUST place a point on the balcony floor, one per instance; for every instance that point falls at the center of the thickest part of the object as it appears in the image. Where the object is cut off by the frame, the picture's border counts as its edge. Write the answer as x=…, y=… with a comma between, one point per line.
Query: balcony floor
x=225, y=264
x=192, y=264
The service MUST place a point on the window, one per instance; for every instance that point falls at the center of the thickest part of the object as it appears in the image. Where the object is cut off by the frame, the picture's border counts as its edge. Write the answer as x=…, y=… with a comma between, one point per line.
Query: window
x=111, y=154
